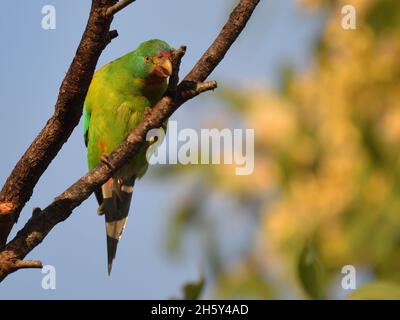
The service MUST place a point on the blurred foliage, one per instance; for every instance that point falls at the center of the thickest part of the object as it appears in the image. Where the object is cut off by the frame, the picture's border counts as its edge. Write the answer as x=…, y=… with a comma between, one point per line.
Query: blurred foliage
x=327, y=165
x=384, y=16
x=378, y=290
x=245, y=281
x=185, y=213
x=193, y=290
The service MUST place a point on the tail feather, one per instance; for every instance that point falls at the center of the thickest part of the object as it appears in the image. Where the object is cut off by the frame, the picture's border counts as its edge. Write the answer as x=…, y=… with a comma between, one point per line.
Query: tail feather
x=115, y=207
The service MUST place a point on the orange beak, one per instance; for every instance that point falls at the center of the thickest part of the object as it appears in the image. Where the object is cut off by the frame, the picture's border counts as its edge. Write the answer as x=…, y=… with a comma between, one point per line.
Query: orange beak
x=164, y=69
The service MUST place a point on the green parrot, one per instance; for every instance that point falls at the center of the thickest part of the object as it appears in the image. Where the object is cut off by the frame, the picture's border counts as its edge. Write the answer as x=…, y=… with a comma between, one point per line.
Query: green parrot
x=115, y=103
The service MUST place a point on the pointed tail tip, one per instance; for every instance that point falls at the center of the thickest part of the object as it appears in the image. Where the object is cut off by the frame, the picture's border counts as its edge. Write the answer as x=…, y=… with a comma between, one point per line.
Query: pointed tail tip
x=111, y=252
x=115, y=207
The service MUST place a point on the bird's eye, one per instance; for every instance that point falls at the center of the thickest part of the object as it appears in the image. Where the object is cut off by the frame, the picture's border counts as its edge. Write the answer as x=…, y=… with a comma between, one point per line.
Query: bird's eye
x=147, y=59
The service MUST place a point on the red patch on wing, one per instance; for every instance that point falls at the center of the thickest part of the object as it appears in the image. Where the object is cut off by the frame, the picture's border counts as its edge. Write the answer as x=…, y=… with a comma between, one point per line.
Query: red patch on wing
x=102, y=146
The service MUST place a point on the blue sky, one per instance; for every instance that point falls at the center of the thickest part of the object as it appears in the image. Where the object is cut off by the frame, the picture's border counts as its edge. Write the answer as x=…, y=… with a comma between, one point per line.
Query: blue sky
x=33, y=64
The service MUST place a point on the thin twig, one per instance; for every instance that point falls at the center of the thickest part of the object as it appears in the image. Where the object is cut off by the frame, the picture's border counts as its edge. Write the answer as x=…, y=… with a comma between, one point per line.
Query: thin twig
x=28, y=264
x=118, y=7
x=228, y=35
x=193, y=89
x=177, y=56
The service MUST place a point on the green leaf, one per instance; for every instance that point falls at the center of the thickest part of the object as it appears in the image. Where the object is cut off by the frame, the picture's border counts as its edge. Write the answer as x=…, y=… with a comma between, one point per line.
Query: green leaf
x=378, y=290
x=193, y=290
x=311, y=271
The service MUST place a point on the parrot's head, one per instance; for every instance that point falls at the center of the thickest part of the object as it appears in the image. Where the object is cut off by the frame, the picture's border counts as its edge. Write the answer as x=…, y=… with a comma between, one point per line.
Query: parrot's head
x=152, y=60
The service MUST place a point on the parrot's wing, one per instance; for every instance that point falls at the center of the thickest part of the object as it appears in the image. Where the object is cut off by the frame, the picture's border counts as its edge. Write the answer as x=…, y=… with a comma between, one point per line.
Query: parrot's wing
x=86, y=123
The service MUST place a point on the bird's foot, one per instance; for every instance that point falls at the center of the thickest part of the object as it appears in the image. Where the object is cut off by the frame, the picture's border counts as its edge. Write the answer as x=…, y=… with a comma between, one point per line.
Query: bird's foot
x=100, y=210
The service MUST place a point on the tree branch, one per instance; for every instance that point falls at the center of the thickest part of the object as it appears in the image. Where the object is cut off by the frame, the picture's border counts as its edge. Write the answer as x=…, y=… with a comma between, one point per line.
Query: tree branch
x=176, y=63
x=118, y=7
x=41, y=222
x=28, y=264
x=228, y=35
x=19, y=186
